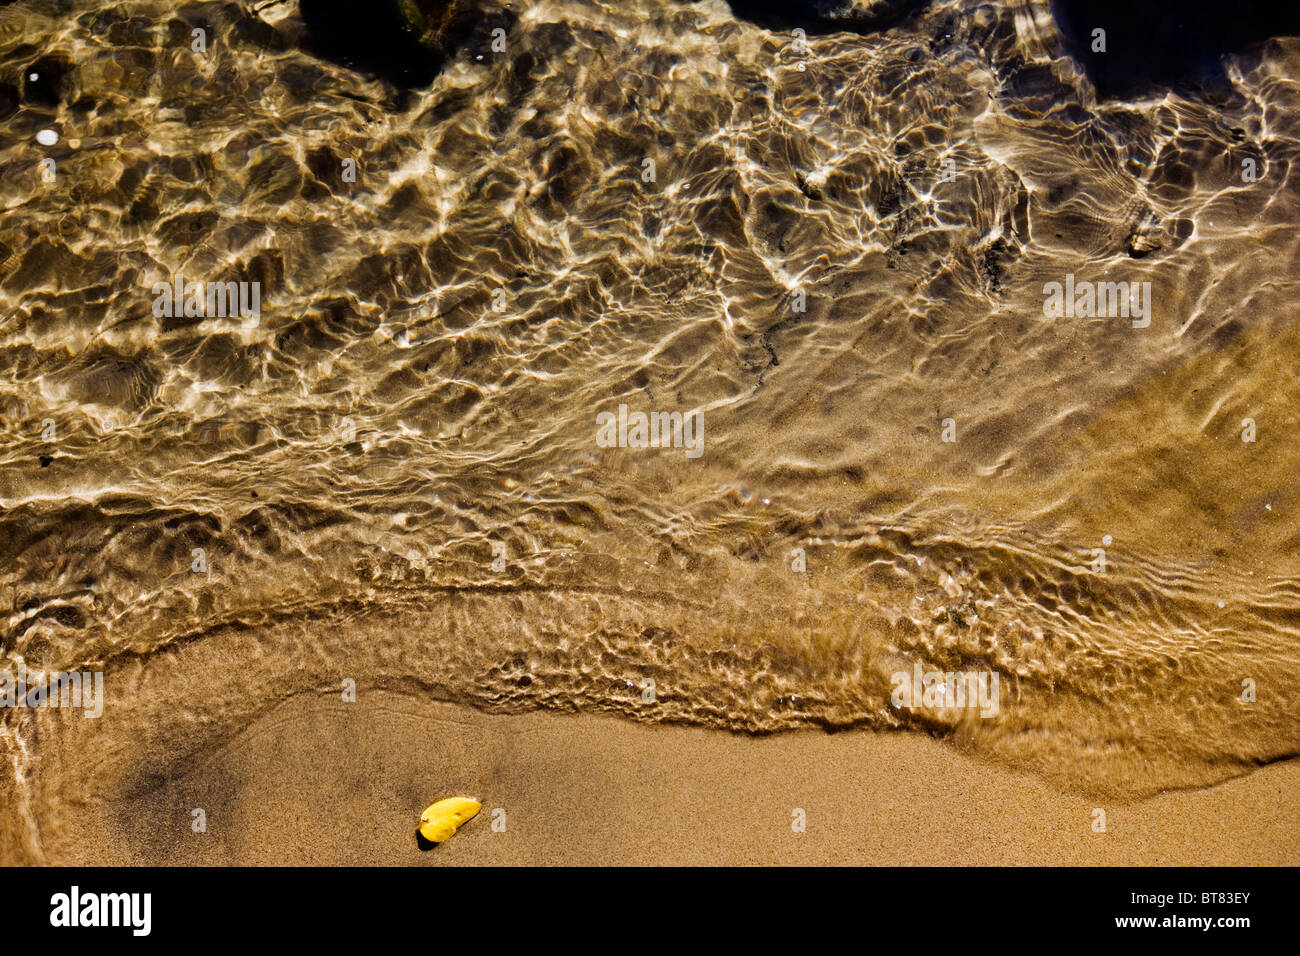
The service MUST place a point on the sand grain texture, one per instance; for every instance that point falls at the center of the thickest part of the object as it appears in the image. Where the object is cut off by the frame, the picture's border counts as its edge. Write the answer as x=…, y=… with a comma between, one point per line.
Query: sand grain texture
x=322, y=782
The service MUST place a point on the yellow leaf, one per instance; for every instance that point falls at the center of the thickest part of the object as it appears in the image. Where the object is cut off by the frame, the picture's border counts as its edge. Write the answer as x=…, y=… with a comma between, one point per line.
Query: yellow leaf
x=440, y=820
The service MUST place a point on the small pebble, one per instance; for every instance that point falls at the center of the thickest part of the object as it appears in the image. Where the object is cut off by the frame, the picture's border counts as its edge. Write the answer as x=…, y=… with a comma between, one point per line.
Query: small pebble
x=47, y=137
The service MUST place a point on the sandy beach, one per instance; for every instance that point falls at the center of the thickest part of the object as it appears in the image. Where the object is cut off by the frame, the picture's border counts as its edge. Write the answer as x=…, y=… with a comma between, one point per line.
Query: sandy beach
x=811, y=432
x=324, y=782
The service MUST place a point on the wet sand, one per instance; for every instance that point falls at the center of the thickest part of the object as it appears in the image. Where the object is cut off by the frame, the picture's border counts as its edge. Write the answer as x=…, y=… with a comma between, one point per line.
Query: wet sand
x=848, y=256
x=325, y=782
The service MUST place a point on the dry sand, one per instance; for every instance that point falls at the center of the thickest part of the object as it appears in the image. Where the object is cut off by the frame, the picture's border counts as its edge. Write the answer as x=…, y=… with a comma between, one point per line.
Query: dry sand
x=325, y=782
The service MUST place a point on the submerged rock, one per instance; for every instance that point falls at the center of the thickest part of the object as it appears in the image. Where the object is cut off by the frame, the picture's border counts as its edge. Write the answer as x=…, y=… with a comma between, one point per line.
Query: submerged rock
x=409, y=41
x=446, y=26
x=404, y=41
x=1130, y=47
x=823, y=16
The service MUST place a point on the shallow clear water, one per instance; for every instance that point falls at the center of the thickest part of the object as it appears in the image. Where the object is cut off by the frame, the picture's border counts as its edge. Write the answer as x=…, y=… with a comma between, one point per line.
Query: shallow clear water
x=393, y=473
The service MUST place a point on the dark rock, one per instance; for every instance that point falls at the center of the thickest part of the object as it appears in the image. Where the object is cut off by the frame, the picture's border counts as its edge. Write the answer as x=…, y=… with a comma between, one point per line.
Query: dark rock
x=50, y=83
x=403, y=41
x=826, y=16
x=8, y=100
x=1154, y=44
